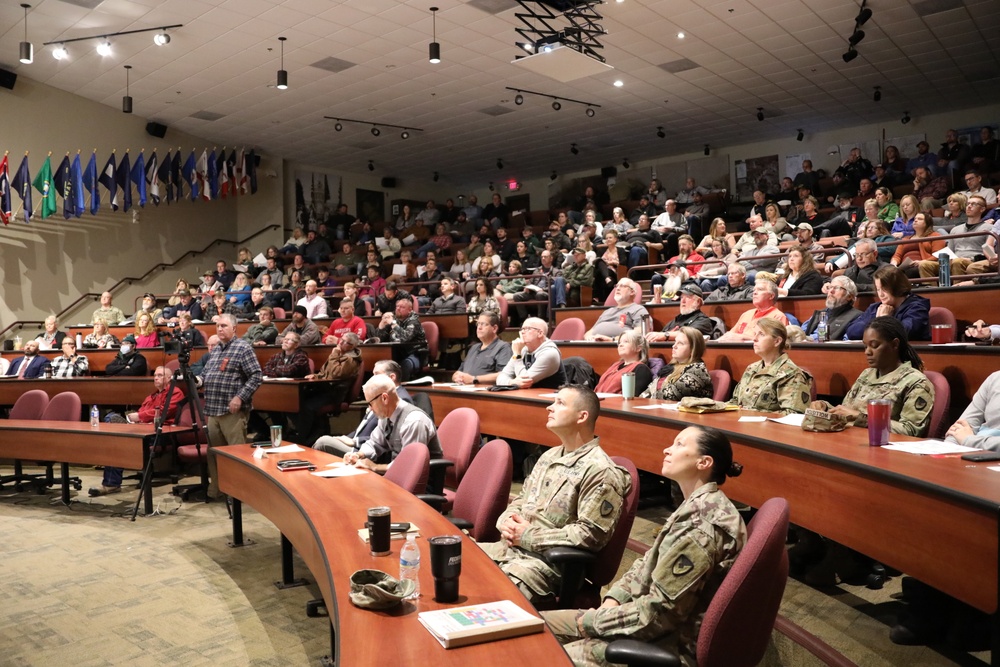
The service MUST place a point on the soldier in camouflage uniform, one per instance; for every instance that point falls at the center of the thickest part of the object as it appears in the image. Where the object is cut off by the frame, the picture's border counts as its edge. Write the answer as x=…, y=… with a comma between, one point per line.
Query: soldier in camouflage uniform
x=663, y=596
x=895, y=374
x=573, y=497
x=774, y=384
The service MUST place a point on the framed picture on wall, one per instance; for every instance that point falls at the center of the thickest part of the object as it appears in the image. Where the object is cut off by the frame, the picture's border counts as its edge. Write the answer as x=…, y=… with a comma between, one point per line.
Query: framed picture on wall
x=371, y=205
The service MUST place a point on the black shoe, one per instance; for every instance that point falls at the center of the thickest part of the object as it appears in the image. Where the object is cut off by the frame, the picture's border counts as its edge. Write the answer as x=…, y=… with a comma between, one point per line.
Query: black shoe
x=917, y=629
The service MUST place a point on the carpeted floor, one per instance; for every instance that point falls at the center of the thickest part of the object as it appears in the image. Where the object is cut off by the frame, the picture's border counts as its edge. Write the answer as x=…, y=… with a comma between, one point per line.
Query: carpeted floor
x=83, y=585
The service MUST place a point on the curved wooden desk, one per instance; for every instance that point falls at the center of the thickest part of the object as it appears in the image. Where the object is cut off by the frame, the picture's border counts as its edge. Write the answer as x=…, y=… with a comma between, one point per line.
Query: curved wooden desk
x=937, y=519
x=321, y=517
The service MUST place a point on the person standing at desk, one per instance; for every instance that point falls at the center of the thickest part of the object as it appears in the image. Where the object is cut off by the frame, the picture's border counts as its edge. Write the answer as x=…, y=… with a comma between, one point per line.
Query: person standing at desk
x=231, y=376
x=573, y=497
x=663, y=596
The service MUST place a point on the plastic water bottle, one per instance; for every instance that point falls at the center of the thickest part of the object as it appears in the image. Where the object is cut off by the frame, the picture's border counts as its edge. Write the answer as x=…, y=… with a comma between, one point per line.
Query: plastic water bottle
x=95, y=417
x=409, y=564
x=821, y=328
x=79, y=341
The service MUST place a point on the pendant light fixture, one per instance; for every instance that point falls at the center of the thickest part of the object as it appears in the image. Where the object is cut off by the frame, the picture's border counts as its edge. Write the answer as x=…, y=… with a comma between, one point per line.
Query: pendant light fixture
x=127, y=100
x=282, y=74
x=435, y=48
x=27, y=51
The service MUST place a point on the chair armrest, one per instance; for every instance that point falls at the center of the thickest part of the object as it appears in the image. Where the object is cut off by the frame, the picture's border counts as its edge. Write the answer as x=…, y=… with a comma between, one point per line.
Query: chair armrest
x=639, y=654
x=435, y=480
x=459, y=522
x=569, y=556
x=434, y=500
x=572, y=562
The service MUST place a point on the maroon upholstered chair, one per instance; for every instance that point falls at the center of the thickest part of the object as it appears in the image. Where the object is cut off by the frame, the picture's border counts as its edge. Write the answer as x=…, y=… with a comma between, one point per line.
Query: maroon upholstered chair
x=459, y=438
x=279, y=312
x=410, y=468
x=433, y=335
x=504, y=314
x=939, y=410
x=941, y=315
x=572, y=328
x=484, y=492
x=64, y=407
x=29, y=405
x=192, y=447
x=722, y=383
x=585, y=573
x=738, y=622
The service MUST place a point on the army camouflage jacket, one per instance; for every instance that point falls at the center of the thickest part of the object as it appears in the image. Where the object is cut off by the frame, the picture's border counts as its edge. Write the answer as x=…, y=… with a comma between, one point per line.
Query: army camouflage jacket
x=781, y=387
x=911, y=393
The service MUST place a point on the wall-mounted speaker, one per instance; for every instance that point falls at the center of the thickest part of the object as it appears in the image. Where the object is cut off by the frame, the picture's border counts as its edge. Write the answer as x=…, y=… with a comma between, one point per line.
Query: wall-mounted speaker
x=608, y=172
x=157, y=130
x=7, y=79
x=388, y=182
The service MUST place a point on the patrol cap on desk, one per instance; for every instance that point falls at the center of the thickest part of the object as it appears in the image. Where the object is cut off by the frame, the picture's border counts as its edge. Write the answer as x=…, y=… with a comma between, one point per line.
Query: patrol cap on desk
x=374, y=589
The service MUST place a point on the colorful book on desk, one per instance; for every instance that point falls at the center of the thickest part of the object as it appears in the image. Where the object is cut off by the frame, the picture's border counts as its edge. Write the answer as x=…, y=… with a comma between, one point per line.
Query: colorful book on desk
x=478, y=623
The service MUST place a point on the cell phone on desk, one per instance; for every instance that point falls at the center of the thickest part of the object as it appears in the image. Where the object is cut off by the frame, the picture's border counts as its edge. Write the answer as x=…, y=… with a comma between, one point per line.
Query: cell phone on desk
x=981, y=457
x=262, y=443
x=295, y=464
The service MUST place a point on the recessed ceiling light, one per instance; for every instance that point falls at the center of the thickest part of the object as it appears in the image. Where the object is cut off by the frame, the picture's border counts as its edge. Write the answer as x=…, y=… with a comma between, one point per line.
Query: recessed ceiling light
x=619, y=83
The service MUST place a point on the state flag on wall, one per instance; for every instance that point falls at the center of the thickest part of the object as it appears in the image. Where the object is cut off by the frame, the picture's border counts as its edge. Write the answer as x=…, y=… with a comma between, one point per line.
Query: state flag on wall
x=76, y=198
x=109, y=179
x=90, y=182
x=190, y=175
x=43, y=183
x=202, y=173
x=139, y=178
x=123, y=178
x=61, y=181
x=22, y=185
x=4, y=192
x=153, y=179
x=163, y=173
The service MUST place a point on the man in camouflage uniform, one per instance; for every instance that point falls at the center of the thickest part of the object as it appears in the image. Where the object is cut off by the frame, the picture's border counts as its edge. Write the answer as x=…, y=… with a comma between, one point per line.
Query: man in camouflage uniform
x=663, y=596
x=909, y=390
x=573, y=497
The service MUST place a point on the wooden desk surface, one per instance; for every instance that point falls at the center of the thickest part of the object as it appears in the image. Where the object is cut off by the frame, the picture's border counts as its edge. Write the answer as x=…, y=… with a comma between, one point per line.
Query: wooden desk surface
x=119, y=445
x=933, y=518
x=320, y=517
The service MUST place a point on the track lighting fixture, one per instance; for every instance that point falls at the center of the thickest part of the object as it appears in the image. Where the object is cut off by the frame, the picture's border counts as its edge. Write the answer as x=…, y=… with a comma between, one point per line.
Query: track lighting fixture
x=878, y=94
x=60, y=52
x=376, y=131
x=282, y=74
x=553, y=176
x=591, y=107
x=371, y=166
x=405, y=131
x=556, y=105
x=850, y=55
x=435, y=177
x=856, y=37
x=491, y=186
x=27, y=49
x=161, y=38
x=404, y=134
x=573, y=149
x=434, y=50
x=906, y=118
x=660, y=133
x=625, y=163
x=499, y=164
x=338, y=127
x=127, y=100
x=104, y=48
x=519, y=99
x=760, y=113
x=863, y=15
x=590, y=112
x=708, y=149
x=800, y=136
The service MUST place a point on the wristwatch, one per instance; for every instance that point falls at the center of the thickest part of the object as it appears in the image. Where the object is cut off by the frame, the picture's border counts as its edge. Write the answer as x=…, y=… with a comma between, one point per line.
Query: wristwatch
x=475, y=380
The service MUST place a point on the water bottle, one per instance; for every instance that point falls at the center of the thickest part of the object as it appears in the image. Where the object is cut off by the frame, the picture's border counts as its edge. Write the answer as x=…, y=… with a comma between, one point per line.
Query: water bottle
x=944, y=271
x=79, y=340
x=95, y=417
x=821, y=328
x=409, y=565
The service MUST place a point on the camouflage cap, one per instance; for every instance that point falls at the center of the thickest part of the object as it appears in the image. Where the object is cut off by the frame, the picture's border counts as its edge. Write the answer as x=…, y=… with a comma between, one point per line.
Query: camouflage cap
x=374, y=589
x=819, y=421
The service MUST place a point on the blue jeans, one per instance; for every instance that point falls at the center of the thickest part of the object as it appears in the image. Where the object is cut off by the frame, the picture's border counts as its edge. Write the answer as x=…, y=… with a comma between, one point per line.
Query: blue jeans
x=422, y=251
x=559, y=291
x=112, y=476
x=637, y=255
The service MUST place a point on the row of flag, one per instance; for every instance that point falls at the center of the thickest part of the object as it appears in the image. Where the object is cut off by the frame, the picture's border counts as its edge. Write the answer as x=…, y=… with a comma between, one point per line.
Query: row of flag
x=207, y=178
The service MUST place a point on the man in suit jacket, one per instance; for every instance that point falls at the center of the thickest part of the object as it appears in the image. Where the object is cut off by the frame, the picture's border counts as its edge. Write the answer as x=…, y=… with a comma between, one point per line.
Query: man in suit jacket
x=33, y=364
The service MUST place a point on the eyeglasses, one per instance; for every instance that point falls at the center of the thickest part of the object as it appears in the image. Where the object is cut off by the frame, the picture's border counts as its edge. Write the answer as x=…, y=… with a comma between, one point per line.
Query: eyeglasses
x=374, y=399
x=524, y=329
x=976, y=203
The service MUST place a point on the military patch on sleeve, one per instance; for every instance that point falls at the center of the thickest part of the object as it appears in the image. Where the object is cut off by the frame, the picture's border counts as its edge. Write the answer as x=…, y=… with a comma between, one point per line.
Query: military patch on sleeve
x=607, y=508
x=920, y=403
x=682, y=565
x=806, y=398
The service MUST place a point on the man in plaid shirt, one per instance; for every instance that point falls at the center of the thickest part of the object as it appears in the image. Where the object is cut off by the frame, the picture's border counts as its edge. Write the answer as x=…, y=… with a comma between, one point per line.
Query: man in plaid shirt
x=230, y=378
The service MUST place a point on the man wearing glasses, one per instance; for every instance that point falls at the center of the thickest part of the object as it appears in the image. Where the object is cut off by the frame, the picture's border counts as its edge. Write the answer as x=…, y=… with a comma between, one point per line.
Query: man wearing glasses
x=399, y=424
x=536, y=361
x=967, y=253
x=866, y=263
x=840, y=311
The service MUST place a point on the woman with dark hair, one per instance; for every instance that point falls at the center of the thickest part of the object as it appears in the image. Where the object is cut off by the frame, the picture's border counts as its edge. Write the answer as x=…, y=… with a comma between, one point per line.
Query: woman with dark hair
x=924, y=243
x=775, y=383
x=895, y=299
x=606, y=265
x=895, y=372
x=888, y=210
x=685, y=374
x=801, y=277
x=663, y=596
x=633, y=354
x=482, y=301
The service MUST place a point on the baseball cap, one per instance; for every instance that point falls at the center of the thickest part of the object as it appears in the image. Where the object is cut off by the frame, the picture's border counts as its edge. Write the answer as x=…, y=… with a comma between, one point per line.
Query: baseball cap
x=691, y=290
x=804, y=227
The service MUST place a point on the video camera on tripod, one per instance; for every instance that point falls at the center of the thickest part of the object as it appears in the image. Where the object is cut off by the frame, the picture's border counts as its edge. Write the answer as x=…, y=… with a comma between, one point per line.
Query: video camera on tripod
x=180, y=345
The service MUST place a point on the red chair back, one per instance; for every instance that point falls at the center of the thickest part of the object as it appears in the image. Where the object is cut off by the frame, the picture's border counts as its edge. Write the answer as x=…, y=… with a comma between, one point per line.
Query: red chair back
x=411, y=467
x=504, y=307
x=572, y=328
x=610, y=301
x=279, y=312
x=722, y=382
x=64, y=407
x=940, y=315
x=30, y=405
x=484, y=491
x=459, y=438
x=737, y=625
x=433, y=335
x=942, y=400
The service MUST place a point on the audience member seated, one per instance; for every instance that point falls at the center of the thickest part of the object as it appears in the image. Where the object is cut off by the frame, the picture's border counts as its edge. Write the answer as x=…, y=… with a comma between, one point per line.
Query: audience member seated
x=449, y=302
x=578, y=274
x=655, y=600
x=775, y=383
x=979, y=425
x=316, y=249
x=625, y=315
x=641, y=240
x=274, y=271
x=856, y=167
x=774, y=220
x=306, y=329
x=403, y=328
x=290, y=362
x=220, y=305
x=428, y=273
x=843, y=221
x=670, y=224
x=145, y=333
x=735, y=287
x=924, y=158
x=391, y=295
x=687, y=254
x=839, y=312
x=896, y=299
x=536, y=361
x=51, y=338
x=186, y=303
x=325, y=284
x=801, y=278
x=182, y=287
x=487, y=356
x=149, y=306
x=128, y=361
x=716, y=232
x=263, y=332
x=186, y=331
x=238, y=293
x=100, y=337
x=764, y=295
x=573, y=497
x=208, y=284
x=346, y=262
x=223, y=276
x=924, y=243
x=539, y=286
x=482, y=301
x=953, y=154
x=161, y=402
x=70, y=364
x=902, y=226
x=689, y=315
x=30, y=365
x=108, y=312
x=685, y=374
x=974, y=182
x=314, y=304
x=929, y=190
x=808, y=178
x=399, y=424
x=633, y=357
x=295, y=241
x=968, y=252
x=372, y=286
x=809, y=212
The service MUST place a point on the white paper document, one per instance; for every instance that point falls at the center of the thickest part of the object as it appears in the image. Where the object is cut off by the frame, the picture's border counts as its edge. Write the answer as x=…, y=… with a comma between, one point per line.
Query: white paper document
x=284, y=449
x=752, y=419
x=929, y=447
x=340, y=470
x=788, y=420
x=658, y=406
